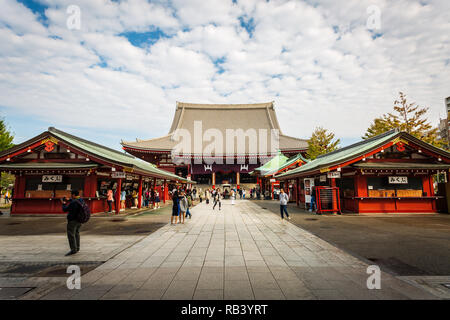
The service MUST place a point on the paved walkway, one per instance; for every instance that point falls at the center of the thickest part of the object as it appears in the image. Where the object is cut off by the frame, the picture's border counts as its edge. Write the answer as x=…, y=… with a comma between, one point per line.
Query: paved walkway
x=240, y=252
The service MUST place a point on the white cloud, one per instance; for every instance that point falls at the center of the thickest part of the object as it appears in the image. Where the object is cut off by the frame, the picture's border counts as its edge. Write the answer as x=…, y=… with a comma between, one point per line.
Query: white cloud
x=316, y=59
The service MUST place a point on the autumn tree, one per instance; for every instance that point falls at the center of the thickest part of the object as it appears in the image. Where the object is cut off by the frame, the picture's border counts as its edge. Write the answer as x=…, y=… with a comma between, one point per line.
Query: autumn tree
x=321, y=142
x=407, y=117
x=6, y=142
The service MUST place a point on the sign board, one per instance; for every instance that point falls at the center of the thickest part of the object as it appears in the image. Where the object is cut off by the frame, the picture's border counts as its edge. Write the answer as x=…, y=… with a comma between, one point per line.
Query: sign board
x=52, y=178
x=118, y=175
x=323, y=178
x=309, y=184
x=334, y=174
x=398, y=180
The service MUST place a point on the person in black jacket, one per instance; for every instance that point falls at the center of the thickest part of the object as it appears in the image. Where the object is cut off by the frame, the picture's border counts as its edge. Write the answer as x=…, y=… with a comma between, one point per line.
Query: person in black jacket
x=73, y=208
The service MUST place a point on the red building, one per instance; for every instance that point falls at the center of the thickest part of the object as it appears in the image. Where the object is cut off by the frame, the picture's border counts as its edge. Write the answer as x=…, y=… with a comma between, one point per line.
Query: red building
x=49, y=166
x=392, y=172
x=218, y=119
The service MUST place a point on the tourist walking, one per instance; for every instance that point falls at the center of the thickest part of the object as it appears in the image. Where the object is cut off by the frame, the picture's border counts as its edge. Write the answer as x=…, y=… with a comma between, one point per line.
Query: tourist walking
x=233, y=196
x=157, y=200
x=189, y=200
x=123, y=197
x=201, y=195
x=184, y=206
x=134, y=195
x=243, y=194
x=283, y=204
x=7, y=196
x=216, y=198
x=175, y=207
x=313, y=205
x=207, y=196
x=109, y=199
x=74, y=209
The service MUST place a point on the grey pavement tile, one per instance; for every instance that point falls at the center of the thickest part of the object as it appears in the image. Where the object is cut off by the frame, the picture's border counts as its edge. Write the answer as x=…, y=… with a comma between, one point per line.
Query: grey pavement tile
x=188, y=273
x=180, y=290
x=238, y=290
x=234, y=261
x=236, y=273
x=268, y=294
x=210, y=280
x=328, y=294
x=263, y=280
x=148, y=294
x=208, y=294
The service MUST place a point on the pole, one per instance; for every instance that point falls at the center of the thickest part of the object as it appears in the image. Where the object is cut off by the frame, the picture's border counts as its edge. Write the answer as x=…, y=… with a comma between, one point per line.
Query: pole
x=118, y=192
x=140, y=193
x=164, y=191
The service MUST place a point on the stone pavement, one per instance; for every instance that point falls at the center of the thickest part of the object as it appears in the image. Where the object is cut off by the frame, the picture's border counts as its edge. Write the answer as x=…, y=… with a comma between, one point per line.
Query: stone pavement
x=240, y=252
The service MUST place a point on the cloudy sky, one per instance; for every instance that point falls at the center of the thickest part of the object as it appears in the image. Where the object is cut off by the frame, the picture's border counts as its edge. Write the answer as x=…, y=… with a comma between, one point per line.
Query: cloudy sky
x=332, y=63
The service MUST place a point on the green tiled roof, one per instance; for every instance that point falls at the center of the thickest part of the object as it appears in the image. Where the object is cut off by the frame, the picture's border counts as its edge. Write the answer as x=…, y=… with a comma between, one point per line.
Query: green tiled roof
x=400, y=165
x=114, y=156
x=272, y=164
x=287, y=164
x=358, y=149
x=344, y=154
x=47, y=165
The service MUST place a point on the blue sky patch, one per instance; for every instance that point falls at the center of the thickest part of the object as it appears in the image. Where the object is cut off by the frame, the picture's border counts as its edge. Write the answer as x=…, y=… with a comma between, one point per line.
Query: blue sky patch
x=247, y=24
x=144, y=39
x=37, y=8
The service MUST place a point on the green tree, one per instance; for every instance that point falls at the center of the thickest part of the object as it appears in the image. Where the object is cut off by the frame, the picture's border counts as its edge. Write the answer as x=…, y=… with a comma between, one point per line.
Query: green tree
x=321, y=142
x=407, y=117
x=6, y=137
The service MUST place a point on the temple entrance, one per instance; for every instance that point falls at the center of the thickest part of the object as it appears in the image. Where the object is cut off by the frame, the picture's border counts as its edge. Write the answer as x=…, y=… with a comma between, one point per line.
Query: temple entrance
x=225, y=177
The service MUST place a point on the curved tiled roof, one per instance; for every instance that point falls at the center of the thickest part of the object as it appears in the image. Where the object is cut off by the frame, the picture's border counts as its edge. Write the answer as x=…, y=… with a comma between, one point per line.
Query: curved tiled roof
x=222, y=117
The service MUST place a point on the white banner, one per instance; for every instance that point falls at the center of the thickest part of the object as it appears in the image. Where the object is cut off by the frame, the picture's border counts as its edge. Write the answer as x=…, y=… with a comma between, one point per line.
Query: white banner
x=118, y=175
x=398, y=180
x=52, y=178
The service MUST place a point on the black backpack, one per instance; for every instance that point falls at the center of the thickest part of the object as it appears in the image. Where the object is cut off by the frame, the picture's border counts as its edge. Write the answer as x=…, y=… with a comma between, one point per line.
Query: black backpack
x=84, y=213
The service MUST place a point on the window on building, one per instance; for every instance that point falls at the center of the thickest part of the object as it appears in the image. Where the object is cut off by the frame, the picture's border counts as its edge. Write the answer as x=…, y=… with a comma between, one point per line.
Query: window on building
x=35, y=188
x=381, y=187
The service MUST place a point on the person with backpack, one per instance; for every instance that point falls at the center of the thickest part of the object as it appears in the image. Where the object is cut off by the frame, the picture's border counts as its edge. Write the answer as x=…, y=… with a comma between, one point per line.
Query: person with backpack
x=77, y=213
x=184, y=206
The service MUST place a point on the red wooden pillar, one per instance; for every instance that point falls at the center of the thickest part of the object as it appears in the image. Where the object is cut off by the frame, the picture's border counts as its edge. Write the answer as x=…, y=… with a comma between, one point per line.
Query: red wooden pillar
x=238, y=180
x=334, y=199
x=118, y=192
x=164, y=191
x=297, y=192
x=90, y=185
x=271, y=190
x=16, y=193
x=140, y=193
x=213, y=180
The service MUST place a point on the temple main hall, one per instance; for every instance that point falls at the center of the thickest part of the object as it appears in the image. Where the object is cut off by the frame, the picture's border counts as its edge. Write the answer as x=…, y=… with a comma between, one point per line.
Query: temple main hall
x=237, y=163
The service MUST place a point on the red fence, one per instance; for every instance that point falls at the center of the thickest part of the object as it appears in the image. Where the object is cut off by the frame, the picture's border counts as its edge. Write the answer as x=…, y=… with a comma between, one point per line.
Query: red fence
x=328, y=199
